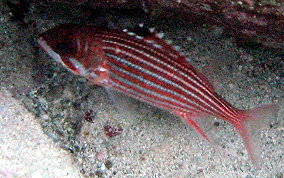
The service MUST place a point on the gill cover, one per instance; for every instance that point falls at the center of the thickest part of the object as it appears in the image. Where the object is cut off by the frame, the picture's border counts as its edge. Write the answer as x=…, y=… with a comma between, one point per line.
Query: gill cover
x=75, y=47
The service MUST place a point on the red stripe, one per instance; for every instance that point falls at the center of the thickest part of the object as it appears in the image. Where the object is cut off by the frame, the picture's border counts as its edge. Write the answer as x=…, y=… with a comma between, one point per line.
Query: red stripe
x=174, y=72
x=157, y=99
x=145, y=47
x=157, y=81
x=169, y=62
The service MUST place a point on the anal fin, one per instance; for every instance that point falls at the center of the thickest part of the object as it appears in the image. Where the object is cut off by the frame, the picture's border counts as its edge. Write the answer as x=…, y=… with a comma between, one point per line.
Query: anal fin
x=190, y=119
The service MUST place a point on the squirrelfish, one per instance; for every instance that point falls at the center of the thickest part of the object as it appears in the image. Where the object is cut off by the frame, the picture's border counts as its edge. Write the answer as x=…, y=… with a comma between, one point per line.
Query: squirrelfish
x=142, y=65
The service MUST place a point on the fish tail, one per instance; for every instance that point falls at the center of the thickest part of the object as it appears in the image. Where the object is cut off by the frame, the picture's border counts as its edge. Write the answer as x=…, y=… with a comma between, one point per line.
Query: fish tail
x=250, y=122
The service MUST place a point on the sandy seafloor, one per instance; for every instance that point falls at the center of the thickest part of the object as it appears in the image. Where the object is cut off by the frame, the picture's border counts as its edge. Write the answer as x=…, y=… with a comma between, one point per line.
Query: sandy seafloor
x=43, y=132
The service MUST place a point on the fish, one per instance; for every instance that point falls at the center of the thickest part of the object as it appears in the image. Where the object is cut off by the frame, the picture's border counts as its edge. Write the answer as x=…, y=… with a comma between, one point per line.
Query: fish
x=141, y=64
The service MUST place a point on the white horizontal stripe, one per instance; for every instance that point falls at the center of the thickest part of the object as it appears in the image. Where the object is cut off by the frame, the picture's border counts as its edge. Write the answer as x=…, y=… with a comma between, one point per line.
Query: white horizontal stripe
x=229, y=110
x=161, y=87
x=154, y=94
x=170, y=75
x=145, y=98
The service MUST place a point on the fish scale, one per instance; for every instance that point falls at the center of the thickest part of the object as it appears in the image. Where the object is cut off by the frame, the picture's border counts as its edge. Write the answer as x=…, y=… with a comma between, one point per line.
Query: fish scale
x=161, y=60
x=144, y=66
x=175, y=71
x=156, y=84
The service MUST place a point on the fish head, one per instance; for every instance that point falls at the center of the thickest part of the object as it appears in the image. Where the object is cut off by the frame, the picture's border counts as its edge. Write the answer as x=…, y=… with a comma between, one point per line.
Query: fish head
x=73, y=47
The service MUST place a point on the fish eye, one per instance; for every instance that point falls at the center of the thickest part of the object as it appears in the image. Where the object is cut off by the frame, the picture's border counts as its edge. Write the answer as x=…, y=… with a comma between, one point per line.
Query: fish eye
x=67, y=47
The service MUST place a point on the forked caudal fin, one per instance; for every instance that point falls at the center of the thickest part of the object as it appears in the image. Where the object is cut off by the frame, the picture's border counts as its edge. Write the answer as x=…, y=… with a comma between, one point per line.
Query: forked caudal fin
x=250, y=122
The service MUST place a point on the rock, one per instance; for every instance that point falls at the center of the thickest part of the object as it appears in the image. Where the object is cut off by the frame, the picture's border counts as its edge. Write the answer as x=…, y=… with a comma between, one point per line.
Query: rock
x=248, y=20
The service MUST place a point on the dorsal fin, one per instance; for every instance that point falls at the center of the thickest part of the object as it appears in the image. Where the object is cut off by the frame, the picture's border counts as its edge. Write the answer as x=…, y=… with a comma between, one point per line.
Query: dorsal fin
x=156, y=40
x=179, y=56
x=140, y=31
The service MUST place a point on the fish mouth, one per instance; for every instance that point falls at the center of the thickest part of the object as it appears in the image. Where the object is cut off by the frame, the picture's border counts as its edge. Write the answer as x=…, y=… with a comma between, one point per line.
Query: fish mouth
x=42, y=43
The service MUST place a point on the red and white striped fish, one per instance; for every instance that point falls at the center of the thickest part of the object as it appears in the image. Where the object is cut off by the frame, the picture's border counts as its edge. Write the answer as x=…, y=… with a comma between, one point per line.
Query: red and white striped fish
x=143, y=66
